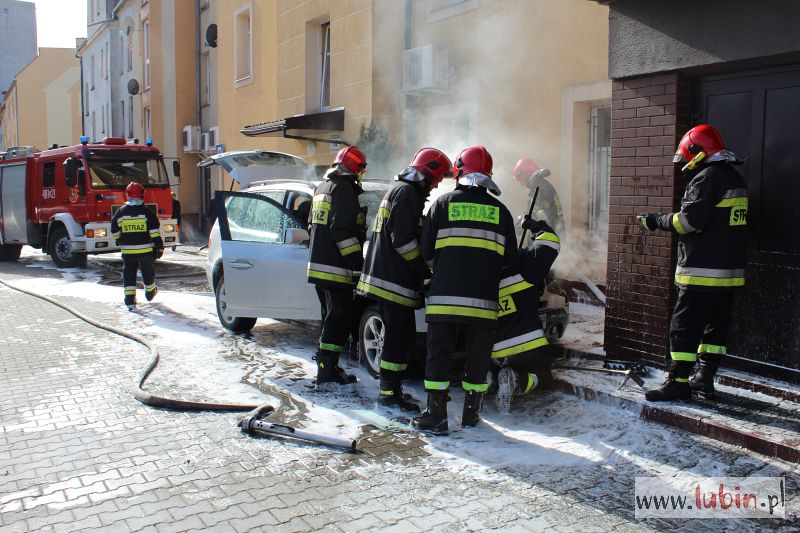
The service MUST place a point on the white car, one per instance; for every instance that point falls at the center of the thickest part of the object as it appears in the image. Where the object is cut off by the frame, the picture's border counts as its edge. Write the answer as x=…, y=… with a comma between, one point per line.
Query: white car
x=258, y=250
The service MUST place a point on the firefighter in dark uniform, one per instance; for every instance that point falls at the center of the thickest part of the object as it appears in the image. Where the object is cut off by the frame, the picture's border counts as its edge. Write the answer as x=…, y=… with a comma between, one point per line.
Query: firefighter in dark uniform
x=137, y=232
x=529, y=175
x=394, y=270
x=335, y=260
x=521, y=349
x=467, y=239
x=712, y=254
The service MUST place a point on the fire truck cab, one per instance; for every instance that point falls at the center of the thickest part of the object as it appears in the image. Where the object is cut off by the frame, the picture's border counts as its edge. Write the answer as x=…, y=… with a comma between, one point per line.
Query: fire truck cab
x=62, y=200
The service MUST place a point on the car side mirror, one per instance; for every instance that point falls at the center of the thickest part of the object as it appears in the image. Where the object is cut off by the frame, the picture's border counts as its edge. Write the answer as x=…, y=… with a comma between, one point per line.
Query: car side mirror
x=70, y=172
x=296, y=236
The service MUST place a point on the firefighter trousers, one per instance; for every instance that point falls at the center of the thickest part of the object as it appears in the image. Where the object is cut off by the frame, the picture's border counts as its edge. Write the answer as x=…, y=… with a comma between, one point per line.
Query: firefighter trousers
x=337, y=309
x=399, y=334
x=700, y=324
x=131, y=264
x=442, y=340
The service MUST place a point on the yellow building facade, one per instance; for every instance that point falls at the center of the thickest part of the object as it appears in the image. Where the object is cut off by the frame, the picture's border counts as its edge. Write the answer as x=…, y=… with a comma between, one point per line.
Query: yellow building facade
x=525, y=78
x=43, y=104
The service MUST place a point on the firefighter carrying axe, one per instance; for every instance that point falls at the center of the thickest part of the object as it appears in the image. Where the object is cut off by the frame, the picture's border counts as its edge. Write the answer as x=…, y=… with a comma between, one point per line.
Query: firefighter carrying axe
x=628, y=374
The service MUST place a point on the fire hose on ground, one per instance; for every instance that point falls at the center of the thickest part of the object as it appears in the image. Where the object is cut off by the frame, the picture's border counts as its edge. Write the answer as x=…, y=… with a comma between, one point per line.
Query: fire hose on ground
x=251, y=423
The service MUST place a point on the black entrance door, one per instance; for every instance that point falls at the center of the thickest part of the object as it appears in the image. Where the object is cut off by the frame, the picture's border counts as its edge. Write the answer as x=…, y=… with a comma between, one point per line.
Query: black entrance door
x=758, y=114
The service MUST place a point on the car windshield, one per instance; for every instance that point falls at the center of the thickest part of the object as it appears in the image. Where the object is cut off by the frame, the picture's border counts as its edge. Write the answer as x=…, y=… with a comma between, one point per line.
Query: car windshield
x=117, y=173
x=371, y=197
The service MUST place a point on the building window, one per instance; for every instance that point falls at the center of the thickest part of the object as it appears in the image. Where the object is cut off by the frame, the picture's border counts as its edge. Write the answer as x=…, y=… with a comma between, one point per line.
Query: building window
x=121, y=127
x=103, y=63
x=205, y=73
x=94, y=126
x=146, y=47
x=599, y=168
x=91, y=76
x=86, y=100
x=325, y=66
x=103, y=121
x=147, y=132
x=121, y=48
x=130, y=117
x=243, y=44
x=129, y=47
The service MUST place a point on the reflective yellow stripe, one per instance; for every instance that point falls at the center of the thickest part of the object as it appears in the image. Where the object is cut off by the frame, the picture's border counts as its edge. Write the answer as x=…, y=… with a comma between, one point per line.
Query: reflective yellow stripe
x=683, y=356
x=548, y=236
x=330, y=347
x=130, y=293
x=351, y=249
x=392, y=366
x=470, y=243
x=410, y=256
x=681, y=380
x=477, y=387
x=712, y=348
x=676, y=223
x=436, y=385
x=387, y=393
x=388, y=295
x=139, y=251
x=458, y=310
x=511, y=289
x=741, y=201
x=532, y=382
x=519, y=348
x=330, y=277
x=709, y=282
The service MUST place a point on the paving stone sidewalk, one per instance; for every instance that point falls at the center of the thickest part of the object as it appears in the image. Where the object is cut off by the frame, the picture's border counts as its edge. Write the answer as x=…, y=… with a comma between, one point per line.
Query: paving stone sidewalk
x=78, y=452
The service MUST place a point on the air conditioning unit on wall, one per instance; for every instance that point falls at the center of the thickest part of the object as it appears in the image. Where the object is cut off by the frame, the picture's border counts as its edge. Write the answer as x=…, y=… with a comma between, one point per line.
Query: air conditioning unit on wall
x=205, y=143
x=426, y=70
x=191, y=138
x=214, y=133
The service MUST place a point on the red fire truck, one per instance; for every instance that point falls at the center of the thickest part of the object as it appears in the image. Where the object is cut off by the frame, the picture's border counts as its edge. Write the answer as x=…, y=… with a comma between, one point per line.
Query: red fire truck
x=62, y=200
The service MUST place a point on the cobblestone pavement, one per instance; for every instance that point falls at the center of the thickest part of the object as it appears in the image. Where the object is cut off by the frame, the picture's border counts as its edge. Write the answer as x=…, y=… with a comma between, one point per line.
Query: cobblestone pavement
x=78, y=452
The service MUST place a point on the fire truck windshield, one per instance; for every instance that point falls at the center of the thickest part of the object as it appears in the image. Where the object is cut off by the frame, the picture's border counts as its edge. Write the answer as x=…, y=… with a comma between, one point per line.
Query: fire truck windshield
x=117, y=172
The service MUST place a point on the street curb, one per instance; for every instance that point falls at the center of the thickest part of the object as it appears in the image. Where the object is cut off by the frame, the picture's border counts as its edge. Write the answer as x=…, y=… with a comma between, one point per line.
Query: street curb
x=697, y=425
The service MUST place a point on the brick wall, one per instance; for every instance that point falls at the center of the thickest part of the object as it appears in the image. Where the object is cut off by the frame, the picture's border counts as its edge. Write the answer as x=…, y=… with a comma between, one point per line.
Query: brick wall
x=648, y=117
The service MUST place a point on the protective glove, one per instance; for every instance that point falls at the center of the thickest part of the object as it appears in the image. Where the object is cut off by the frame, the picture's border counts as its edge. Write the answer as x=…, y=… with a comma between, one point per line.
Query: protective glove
x=158, y=246
x=648, y=220
x=533, y=225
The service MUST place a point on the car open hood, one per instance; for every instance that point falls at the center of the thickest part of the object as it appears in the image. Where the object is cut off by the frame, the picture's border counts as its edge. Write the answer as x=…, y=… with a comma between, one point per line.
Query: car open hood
x=251, y=166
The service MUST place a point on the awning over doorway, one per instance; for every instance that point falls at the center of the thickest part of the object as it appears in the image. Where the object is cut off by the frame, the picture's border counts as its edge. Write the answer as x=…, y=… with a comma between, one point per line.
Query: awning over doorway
x=307, y=124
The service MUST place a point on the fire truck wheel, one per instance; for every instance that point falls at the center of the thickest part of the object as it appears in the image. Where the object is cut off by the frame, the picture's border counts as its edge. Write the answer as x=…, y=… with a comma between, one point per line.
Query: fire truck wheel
x=10, y=252
x=60, y=250
x=236, y=324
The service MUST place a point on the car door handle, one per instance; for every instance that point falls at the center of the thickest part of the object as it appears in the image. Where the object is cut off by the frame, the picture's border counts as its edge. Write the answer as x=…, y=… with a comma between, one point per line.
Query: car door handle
x=241, y=265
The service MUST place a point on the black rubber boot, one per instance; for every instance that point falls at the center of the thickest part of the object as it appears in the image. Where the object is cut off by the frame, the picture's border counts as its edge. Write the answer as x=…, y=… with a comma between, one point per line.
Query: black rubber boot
x=434, y=419
x=391, y=395
x=473, y=401
x=151, y=294
x=330, y=376
x=676, y=386
x=702, y=383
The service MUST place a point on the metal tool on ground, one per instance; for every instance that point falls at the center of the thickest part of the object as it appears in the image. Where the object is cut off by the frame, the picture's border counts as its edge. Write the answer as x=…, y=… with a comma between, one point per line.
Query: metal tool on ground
x=530, y=212
x=252, y=423
x=628, y=374
x=637, y=367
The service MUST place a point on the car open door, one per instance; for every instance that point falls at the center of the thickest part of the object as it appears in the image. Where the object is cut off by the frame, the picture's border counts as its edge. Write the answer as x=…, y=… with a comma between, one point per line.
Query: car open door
x=264, y=257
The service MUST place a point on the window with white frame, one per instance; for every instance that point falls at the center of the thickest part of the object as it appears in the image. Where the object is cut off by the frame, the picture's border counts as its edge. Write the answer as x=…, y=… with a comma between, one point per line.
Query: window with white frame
x=91, y=77
x=121, y=48
x=102, y=63
x=94, y=126
x=86, y=100
x=147, y=124
x=243, y=44
x=599, y=168
x=130, y=117
x=103, y=120
x=129, y=47
x=146, y=50
x=121, y=127
x=325, y=66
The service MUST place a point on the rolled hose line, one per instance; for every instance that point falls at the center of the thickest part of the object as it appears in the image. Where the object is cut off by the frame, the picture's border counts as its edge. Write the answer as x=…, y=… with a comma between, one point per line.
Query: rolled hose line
x=136, y=389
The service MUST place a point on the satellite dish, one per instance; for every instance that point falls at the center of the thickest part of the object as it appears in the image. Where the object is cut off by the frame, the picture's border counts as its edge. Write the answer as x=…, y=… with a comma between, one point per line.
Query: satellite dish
x=133, y=87
x=211, y=36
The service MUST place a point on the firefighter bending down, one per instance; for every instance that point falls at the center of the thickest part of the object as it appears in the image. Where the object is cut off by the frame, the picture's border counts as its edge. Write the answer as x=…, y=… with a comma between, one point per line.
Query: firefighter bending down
x=394, y=270
x=712, y=254
x=521, y=350
x=137, y=232
x=467, y=239
x=529, y=175
x=335, y=261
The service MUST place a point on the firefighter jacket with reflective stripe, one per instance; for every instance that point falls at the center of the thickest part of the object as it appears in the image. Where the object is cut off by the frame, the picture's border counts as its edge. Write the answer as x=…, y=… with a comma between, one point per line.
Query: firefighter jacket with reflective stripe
x=712, y=230
x=393, y=267
x=519, y=328
x=136, y=229
x=335, y=257
x=548, y=205
x=467, y=238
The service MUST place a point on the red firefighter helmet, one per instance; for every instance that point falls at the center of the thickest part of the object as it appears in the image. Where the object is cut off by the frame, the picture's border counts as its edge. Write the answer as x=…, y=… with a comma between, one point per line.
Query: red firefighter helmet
x=134, y=190
x=524, y=170
x=473, y=159
x=432, y=164
x=703, y=138
x=352, y=159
